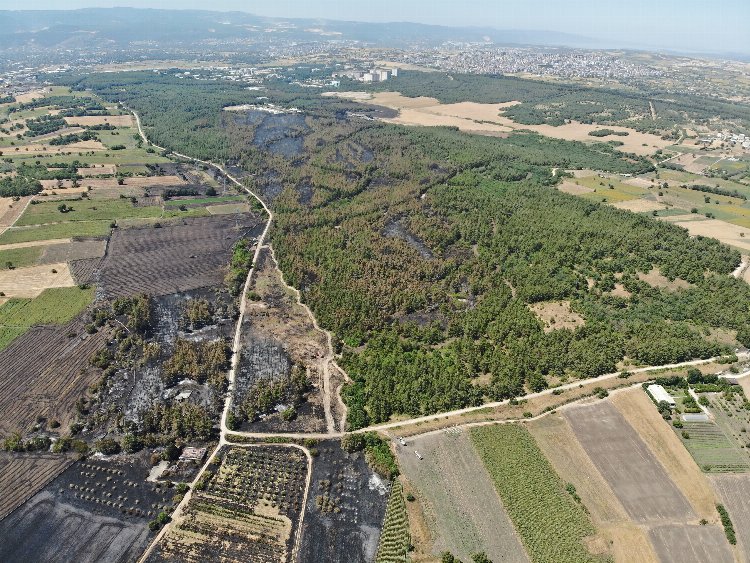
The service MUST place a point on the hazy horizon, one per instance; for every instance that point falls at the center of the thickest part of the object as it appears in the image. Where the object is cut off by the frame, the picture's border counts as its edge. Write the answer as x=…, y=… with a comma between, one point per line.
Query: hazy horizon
x=680, y=25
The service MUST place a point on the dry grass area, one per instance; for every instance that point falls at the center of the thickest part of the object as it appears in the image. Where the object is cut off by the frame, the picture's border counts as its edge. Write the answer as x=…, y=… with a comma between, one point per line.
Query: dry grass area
x=50, y=149
x=30, y=96
x=111, y=183
x=557, y=315
x=28, y=244
x=227, y=208
x=116, y=120
x=421, y=537
x=574, y=189
x=628, y=541
x=690, y=162
x=11, y=210
x=30, y=282
x=639, y=182
x=641, y=414
x=640, y=205
x=97, y=169
x=488, y=118
x=721, y=230
x=655, y=278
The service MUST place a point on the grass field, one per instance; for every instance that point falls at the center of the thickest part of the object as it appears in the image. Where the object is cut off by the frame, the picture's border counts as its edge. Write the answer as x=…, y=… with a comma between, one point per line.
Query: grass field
x=55, y=231
x=551, y=525
x=84, y=210
x=20, y=257
x=53, y=306
x=204, y=200
x=619, y=191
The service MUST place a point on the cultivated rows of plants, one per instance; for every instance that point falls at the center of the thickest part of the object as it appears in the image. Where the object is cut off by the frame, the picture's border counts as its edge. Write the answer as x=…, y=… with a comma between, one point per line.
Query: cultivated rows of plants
x=394, y=535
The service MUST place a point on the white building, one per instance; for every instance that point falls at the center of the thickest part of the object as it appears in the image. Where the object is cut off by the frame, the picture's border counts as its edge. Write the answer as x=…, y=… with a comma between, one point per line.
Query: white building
x=660, y=394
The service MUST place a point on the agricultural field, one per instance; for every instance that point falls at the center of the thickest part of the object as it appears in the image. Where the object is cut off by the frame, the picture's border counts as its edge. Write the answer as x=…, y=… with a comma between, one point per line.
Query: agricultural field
x=345, y=508
x=252, y=498
x=95, y=510
x=23, y=475
x=551, y=524
x=457, y=494
x=394, y=536
x=733, y=494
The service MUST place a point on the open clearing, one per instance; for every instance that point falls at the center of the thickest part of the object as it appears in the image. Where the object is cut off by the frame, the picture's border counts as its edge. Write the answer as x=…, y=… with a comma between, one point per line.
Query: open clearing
x=87, y=120
x=640, y=205
x=557, y=315
x=574, y=189
x=488, y=118
x=31, y=281
x=558, y=443
x=636, y=477
x=458, y=496
x=656, y=279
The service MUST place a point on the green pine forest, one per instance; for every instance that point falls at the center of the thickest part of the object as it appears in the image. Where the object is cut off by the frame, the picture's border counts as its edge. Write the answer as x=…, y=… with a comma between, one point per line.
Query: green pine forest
x=422, y=249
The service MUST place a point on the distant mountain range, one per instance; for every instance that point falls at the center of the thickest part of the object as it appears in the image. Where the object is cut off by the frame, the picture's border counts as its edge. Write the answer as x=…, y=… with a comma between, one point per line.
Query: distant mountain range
x=120, y=27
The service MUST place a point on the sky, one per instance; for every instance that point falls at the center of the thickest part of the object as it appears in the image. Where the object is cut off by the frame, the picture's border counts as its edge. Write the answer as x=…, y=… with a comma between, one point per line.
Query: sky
x=687, y=25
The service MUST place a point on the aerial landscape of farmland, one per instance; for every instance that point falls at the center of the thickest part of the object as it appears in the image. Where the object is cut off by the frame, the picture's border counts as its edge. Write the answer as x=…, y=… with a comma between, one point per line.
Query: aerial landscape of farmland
x=306, y=290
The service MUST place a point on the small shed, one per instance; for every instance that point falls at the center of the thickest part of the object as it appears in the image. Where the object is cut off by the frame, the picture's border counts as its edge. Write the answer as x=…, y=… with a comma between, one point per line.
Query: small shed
x=660, y=394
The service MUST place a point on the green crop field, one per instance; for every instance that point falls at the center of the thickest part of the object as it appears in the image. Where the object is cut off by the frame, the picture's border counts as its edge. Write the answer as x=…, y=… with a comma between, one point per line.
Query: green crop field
x=84, y=210
x=394, y=537
x=618, y=192
x=52, y=306
x=20, y=257
x=550, y=523
x=56, y=230
x=711, y=449
x=204, y=200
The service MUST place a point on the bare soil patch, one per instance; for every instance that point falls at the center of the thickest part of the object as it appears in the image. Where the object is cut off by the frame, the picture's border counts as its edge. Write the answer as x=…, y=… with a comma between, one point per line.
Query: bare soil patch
x=640, y=205
x=97, y=170
x=24, y=475
x=557, y=315
x=228, y=208
x=656, y=279
x=664, y=444
x=718, y=229
x=116, y=120
x=79, y=250
x=458, y=496
x=620, y=291
x=574, y=189
x=171, y=259
x=639, y=182
x=691, y=544
x=488, y=117
x=635, y=475
x=629, y=542
x=31, y=281
x=11, y=210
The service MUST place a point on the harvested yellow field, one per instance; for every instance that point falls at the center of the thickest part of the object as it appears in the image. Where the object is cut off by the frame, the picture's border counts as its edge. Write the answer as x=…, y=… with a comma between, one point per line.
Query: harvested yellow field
x=727, y=233
x=574, y=189
x=116, y=120
x=640, y=205
x=97, y=170
x=557, y=315
x=488, y=119
x=30, y=282
x=29, y=96
x=57, y=149
x=11, y=210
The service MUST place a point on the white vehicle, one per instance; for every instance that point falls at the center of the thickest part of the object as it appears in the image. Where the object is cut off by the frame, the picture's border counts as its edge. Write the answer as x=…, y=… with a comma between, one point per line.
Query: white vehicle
x=401, y=441
x=419, y=456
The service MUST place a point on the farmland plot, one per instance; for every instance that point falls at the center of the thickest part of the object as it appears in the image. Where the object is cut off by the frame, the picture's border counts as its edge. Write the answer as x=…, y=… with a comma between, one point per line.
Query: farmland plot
x=678, y=543
x=734, y=492
x=458, y=494
x=94, y=511
x=171, y=259
x=252, y=500
x=23, y=475
x=637, y=478
x=344, y=510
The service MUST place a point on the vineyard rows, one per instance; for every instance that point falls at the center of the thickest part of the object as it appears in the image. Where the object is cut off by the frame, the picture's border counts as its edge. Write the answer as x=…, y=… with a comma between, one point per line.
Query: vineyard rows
x=394, y=535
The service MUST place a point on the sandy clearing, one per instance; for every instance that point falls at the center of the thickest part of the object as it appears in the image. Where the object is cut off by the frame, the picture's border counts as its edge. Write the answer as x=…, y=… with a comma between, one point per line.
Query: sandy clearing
x=656, y=279
x=50, y=242
x=458, y=496
x=718, y=229
x=640, y=205
x=629, y=542
x=557, y=315
x=639, y=182
x=574, y=189
x=641, y=414
x=116, y=120
x=429, y=112
x=30, y=282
